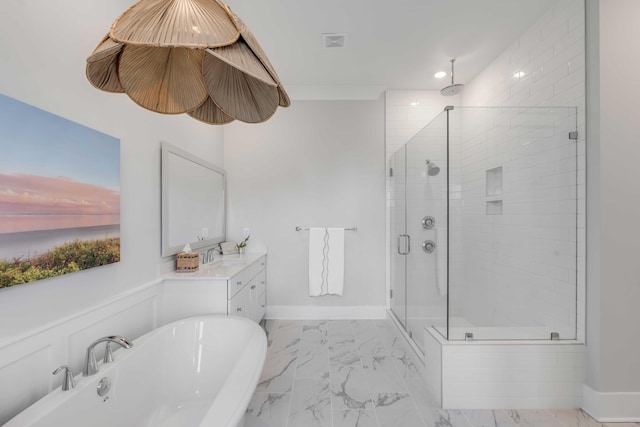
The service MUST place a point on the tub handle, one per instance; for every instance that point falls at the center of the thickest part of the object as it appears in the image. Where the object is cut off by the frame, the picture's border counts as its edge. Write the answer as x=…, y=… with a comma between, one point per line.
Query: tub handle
x=239, y=309
x=68, y=382
x=253, y=286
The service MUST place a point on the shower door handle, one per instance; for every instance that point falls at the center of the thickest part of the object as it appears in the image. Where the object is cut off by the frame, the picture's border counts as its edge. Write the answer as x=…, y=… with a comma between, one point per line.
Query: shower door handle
x=408, y=246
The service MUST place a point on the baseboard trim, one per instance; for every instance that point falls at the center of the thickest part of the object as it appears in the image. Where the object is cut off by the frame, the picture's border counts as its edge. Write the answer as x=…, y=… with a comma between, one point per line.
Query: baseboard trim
x=616, y=407
x=314, y=312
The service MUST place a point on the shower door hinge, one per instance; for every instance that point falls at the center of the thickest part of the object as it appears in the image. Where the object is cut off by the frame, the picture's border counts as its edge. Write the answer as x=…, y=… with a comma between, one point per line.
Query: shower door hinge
x=390, y=171
x=390, y=293
x=573, y=135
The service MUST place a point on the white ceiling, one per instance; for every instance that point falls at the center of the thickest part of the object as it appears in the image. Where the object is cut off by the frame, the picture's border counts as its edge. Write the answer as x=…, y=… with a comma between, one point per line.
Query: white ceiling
x=393, y=45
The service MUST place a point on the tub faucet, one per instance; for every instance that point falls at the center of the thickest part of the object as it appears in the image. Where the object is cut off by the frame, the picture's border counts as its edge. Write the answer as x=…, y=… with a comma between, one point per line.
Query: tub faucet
x=68, y=382
x=90, y=365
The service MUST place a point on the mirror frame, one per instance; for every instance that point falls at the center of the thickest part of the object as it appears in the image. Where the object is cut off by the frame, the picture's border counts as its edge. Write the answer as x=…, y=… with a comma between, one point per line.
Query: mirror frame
x=167, y=250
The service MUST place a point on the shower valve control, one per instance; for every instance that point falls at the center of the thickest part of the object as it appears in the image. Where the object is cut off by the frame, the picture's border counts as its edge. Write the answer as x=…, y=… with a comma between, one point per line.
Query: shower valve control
x=428, y=222
x=428, y=246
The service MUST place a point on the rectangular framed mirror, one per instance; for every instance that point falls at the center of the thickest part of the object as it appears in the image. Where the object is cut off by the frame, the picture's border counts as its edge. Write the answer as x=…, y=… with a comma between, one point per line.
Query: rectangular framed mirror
x=193, y=201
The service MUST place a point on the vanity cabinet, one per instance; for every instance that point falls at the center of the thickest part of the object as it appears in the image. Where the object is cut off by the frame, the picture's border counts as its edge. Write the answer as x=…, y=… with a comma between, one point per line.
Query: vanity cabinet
x=234, y=285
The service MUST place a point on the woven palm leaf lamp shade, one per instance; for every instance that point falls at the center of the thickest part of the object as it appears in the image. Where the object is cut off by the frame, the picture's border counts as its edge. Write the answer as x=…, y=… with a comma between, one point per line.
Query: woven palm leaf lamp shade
x=188, y=56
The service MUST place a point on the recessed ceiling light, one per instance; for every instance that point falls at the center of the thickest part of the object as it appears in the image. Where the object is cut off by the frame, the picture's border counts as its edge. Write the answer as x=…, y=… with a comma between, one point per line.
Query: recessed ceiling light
x=414, y=103
x=439, y=74
x=518, y=74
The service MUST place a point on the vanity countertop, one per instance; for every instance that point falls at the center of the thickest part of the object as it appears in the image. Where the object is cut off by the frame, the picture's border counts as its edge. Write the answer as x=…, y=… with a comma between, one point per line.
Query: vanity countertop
x=222, y=268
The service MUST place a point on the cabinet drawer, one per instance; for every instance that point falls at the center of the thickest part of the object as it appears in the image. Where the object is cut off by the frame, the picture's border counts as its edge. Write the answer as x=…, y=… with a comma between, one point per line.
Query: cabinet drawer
x=241, y=279
x=257, y=284
x=240, y=304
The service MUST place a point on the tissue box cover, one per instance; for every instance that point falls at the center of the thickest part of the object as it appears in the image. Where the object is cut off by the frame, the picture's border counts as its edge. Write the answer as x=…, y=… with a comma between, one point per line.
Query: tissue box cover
x=187, y=262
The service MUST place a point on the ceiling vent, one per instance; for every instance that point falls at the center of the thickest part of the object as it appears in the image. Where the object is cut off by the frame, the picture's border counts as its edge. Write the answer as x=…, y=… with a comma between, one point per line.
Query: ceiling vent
x=333, y=41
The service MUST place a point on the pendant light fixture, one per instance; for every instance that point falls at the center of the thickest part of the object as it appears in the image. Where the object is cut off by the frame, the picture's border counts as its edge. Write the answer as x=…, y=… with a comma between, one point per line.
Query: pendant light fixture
x=188, y=56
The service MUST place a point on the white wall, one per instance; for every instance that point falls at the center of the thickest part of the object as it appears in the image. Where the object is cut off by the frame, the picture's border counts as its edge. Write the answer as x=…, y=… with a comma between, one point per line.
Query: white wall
x=612, y=391
x=44, y=67
x=315, y=164
x=42, y=63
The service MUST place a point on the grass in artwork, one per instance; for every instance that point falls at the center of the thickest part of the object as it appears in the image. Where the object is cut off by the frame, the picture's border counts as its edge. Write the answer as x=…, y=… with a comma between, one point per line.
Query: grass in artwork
x=66, y=258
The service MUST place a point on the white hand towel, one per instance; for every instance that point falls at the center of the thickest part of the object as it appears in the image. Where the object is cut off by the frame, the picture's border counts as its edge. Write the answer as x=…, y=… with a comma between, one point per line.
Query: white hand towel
x=335, y=273
x=441, y=260
x=317, y=275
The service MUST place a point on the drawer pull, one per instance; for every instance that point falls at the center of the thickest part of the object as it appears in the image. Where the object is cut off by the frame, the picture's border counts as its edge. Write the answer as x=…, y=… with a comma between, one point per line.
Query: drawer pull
x=253, y=286
x=262, y=282
x=239, y=309
x=239, y=283
x=262, y=305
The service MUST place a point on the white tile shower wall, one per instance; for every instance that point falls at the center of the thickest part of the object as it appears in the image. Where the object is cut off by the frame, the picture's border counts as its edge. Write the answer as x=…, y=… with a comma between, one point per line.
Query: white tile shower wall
x=543, y=183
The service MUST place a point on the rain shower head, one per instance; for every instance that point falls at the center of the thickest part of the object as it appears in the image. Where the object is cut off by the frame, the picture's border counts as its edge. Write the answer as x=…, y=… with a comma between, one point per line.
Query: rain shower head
x=452, y=89
x=432, y=169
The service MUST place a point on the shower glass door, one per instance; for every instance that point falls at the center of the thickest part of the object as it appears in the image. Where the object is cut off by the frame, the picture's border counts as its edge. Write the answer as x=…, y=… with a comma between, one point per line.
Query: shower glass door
x=419, y=218
x=399, y=243
x=427, y=226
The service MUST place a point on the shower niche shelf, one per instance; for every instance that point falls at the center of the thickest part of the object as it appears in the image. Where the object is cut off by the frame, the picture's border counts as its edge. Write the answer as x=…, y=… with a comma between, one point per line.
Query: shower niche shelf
x=494, y=181
x=494, y=207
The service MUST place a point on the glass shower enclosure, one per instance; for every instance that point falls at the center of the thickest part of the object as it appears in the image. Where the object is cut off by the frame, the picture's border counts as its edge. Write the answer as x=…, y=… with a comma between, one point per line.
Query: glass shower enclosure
x=484, y=225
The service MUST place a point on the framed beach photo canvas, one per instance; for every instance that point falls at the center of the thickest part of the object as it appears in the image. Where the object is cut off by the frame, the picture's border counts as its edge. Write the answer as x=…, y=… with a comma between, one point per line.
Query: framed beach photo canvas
x=59, y=195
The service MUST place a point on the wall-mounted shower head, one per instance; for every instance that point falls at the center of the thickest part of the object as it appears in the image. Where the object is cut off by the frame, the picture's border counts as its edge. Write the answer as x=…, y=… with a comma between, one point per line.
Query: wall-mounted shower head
x=432, y=169
x=452, y=89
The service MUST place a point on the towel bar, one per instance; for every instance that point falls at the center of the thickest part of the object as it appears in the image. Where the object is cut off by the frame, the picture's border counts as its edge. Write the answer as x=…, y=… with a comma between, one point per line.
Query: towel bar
x=346, y=229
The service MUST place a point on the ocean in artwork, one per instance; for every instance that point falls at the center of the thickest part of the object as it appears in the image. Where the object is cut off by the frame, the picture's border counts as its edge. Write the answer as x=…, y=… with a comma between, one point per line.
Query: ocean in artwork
x=59, y=195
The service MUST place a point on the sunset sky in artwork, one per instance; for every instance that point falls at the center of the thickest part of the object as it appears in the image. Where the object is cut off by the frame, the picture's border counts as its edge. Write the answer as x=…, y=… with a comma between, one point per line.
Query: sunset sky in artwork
x=52, y=166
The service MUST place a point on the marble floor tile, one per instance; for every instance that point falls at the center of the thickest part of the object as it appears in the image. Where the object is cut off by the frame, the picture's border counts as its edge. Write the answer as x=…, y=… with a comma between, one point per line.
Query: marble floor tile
x=278, y=374
x=285, y=339
x=404, y=362
x=445, y=418
x=533, y=418
x=270, y=327
x=268, y=410
x=489, y=418
x=422, y=398
x=382, y=376
x=355, y=418
x=349, y=388
x=574, y=418
x=396, y=410
x=314, y=333
x=313, y=362
x=362, y=373
x=372, y=346
x=345, y=355
x=339, y=327
x=310, y=404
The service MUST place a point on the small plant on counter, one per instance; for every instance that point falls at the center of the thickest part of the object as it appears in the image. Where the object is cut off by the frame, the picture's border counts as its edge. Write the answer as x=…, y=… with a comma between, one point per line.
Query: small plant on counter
x=243, y=244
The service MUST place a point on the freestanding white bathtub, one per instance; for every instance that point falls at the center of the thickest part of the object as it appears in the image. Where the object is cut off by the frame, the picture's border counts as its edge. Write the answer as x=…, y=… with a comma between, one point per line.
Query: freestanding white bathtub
x=200, y=371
